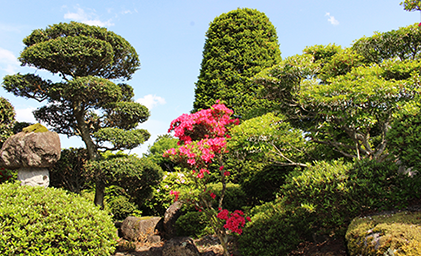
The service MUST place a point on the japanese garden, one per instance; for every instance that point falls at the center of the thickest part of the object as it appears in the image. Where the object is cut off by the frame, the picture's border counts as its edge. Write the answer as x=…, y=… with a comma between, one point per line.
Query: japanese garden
x=312, y=154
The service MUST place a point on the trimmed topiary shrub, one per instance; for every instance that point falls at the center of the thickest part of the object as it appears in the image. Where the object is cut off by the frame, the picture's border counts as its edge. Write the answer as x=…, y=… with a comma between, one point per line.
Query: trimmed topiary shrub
x=50, y=221
x=321, y=201
x=193, y=224
x=274, y=230
x=118, y=203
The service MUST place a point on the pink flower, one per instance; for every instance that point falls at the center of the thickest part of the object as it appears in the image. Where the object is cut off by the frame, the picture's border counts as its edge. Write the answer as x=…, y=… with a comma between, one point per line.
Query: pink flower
x=227, y=173
x=176, y=193
x=223, y=215
x=212, y=195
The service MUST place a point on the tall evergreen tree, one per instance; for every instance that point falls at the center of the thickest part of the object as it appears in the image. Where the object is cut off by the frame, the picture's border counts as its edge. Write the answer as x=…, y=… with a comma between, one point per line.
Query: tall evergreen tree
x=239, y=44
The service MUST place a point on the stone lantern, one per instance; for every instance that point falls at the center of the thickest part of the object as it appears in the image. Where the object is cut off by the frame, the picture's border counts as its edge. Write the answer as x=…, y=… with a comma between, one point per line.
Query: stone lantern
x=32, y=152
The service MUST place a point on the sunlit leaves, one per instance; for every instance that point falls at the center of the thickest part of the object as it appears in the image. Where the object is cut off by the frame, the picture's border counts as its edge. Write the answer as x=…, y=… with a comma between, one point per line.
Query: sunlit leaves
x=72, y=56
x=126, y=114
x=121, y=139
x=101, y=52
x=404, y=43
x=239, y=44
x=7, y=119
x=268, y=136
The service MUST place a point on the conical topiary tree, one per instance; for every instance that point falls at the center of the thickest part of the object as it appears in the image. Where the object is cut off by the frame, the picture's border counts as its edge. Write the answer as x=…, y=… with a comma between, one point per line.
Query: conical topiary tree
x=239, y=44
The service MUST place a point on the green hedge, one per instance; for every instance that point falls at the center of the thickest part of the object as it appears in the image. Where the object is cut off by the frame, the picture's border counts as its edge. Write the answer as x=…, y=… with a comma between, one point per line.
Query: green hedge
x=322, y=200
x=50, y=221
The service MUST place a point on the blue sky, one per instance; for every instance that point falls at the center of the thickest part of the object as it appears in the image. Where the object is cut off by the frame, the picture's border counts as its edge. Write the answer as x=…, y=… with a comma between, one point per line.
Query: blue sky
x=169, y=36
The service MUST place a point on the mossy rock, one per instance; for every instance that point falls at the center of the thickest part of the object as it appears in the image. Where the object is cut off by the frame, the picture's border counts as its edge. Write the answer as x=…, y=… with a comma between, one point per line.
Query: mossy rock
x=35, y=128
x=385, y=234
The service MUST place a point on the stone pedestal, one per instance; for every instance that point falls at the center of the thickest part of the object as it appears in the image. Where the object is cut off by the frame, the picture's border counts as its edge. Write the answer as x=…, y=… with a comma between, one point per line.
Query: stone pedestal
x=33, y=176
x=31, y=152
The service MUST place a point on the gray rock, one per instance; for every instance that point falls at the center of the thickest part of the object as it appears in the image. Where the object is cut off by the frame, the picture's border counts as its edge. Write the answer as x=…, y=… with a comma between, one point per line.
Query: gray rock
x=140, y=229
x=180, y=246
x=170, y=217
x=33, y=149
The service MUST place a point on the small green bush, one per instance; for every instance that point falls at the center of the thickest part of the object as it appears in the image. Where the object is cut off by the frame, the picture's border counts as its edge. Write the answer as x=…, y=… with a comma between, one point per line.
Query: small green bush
x=192, y=224
x=119, y=204
x=160, y=199
x=263, y=183
x=69, y=171
x=50, y=221
x=234, y=198
x=274, y=230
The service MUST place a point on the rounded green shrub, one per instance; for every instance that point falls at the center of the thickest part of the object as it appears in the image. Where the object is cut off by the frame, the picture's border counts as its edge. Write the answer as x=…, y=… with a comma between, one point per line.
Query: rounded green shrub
x=118, y=203
x=234, y=198
x=274, y=230
x=50, y=221
x=193, y=224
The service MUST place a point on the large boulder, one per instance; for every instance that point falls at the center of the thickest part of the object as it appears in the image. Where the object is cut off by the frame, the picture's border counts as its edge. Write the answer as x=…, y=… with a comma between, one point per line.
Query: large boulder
x=141, y=229
x=31, y=149
x=180, y=246
x=392, y=233
x=170, y=217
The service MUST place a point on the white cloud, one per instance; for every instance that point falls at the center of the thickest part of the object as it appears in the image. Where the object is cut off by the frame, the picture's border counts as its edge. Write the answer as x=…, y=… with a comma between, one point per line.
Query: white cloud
x=332, y=19
x=25, y=115
x=151, y=101
x=8, y=61
x=129, y=11
x=88, y=18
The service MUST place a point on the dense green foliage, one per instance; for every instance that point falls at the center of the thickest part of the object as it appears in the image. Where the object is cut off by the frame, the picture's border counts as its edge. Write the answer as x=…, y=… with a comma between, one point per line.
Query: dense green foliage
x=159, y=147
x=49, y=221
x=274, y=230
x=405, y=136
x=69, y=172
x=85, y=102
x=346, y=98
x=239, y=44
x=136, y=175
x=322, y=200
x=193, y=224
x=120, y=204
x=7, y=120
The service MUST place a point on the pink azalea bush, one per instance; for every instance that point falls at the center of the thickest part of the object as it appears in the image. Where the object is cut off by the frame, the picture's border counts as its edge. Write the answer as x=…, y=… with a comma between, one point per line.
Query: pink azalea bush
x=202, y=143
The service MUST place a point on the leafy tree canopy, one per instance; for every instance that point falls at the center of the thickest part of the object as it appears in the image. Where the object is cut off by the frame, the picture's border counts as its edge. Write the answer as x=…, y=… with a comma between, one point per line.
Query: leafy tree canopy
x=411, y=5
x=85, y=102
x=159, y=147
x=345, y=98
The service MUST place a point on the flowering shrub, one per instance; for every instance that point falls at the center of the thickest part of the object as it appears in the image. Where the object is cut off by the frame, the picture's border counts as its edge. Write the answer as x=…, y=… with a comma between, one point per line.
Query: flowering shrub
x=202, y=144
x=234, y=221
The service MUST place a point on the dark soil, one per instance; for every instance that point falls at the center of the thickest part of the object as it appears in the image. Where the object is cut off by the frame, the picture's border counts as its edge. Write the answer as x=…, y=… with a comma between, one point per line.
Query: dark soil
x=210, y=246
